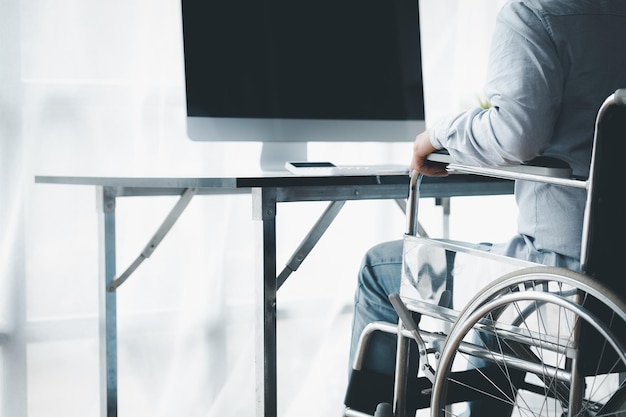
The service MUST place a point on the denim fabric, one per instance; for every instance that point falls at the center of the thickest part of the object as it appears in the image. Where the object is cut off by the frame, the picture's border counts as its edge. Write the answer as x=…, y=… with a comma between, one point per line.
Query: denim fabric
x=379, y=276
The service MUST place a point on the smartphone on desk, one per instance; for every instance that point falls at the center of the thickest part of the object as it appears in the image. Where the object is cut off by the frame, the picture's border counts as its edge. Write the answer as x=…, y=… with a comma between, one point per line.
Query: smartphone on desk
x=310, y=168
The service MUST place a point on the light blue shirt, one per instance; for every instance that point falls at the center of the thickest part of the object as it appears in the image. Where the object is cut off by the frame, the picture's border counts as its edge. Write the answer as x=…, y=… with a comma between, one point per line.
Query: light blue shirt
x=552, y=64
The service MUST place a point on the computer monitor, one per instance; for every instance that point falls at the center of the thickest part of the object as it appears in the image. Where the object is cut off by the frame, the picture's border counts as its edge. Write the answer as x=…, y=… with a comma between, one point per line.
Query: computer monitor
x=289, y=72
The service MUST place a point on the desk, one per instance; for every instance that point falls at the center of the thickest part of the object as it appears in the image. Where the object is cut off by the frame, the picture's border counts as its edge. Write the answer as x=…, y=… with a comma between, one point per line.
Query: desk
x=266, y=193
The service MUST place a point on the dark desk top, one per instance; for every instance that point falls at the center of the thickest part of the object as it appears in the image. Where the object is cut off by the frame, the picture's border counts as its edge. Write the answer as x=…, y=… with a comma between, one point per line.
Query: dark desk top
x=296, y=188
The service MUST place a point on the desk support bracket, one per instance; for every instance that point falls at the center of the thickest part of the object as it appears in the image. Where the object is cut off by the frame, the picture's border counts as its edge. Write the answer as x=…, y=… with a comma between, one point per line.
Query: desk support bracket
x=311, y=239
x=163, y=230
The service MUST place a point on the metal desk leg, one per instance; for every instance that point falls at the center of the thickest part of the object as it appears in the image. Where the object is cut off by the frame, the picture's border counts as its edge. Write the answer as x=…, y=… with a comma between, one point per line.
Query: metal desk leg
x=107, y=303
x=264, y=209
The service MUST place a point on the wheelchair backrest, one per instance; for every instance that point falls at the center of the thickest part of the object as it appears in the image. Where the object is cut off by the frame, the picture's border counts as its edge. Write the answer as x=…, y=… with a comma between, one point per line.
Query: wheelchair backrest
x=605, y=220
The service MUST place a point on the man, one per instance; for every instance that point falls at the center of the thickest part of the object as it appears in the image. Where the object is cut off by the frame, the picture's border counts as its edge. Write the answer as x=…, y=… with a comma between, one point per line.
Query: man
x=552, y=64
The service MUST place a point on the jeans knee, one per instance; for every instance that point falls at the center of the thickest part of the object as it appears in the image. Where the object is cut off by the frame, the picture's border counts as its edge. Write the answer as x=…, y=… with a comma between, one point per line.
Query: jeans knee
x=381, y=268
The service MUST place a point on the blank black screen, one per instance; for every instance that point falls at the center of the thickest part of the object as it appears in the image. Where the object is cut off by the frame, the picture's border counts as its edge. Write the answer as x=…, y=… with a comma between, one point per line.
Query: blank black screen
x=314, y=59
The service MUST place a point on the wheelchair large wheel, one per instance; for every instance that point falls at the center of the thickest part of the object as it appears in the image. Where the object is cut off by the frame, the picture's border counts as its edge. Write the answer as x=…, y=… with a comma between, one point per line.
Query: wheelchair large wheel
x=537, y=342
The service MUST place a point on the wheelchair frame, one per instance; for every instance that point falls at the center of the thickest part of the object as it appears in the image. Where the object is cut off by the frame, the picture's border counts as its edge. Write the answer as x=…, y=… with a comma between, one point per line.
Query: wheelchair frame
x=504, y=329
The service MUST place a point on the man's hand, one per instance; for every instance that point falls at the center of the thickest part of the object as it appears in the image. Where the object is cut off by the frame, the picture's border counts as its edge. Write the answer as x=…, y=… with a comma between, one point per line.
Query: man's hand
x=421, y=149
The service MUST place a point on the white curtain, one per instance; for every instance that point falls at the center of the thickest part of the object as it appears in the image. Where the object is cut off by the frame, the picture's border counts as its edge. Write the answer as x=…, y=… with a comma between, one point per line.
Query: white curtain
x=92, y=88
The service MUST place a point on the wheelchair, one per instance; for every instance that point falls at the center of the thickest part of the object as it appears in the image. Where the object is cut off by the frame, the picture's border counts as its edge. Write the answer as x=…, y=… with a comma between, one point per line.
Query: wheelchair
x=532, y=340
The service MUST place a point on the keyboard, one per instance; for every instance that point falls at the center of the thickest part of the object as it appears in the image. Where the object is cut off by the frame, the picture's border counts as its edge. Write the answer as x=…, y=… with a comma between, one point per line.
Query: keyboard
x=328, y=168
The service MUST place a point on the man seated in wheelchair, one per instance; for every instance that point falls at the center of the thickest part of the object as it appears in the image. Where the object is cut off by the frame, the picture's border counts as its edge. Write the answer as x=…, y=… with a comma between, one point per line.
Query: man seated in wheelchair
x=552, y=64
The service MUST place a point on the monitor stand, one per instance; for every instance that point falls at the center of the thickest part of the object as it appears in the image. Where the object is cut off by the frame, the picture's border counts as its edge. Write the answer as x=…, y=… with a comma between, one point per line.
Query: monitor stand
x=275, y=154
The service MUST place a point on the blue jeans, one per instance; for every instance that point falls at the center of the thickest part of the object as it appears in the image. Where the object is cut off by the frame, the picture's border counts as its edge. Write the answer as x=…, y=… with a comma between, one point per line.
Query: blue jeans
x=380, y=275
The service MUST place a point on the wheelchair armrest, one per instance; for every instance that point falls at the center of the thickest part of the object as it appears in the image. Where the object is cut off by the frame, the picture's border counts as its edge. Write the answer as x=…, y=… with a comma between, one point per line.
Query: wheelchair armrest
x=542, y=169
x=546, y=165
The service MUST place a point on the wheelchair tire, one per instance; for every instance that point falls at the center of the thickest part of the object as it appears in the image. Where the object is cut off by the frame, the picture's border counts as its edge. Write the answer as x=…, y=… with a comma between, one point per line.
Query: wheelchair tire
x=542, y=341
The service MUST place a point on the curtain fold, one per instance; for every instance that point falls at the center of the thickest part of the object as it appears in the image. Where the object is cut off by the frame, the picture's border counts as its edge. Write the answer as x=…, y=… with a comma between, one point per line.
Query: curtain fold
x=12, y=235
